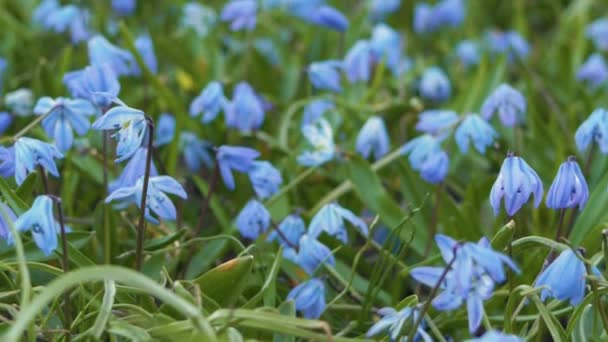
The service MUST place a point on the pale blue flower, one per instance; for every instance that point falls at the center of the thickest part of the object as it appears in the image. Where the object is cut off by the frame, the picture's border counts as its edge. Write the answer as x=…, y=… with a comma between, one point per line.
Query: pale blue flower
x=569, y=188
x=598, y=32
x=325, y=75
x=327, y=16
x=133, y=171
x=564, y=278
x=385, y=46
x=315, y=110
x=235, y=158
x=425, y=20
x=265, y=178
x=312, y=254
x=379, y=9
x=5, y=232
x=508, y=102
x=320, y=137
x=101, y=51
x=96, y=83
x=373, y=138
x=475, y=130
x=7, y=161
x=595, y=128
x=195, y=150
x=436, y=121
x=164, y=131
x=20, y=101
x=6, y=119
x=516, y=182
x=395, y=321
x=63, y=116
x=357, y=62
x=157, y=201
x=450, y=12
x=40, y=221
x=496, y=336
x=3, y=66
x=309, y=298
x=124, y=7
x=131, y=125
x=253, y=220
x=145, y=47
x=32, y=152
x=210, y=102
x=510, y=43
x=246, y=110
x=199, y=18
x=594, y=71
x=427, y=157
x=292, y=228
x=241, y=14
x=435, y=168
x=330, y=219
x=468, y=53
x=435, y=85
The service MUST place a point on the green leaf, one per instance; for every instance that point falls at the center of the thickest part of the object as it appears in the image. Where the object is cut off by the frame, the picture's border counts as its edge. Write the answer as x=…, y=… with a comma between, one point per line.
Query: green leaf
x=14, y=201
x=592, y=217
x=76, y=240
x=557, y=332
x=157, y=243
x=287, y=308
x=27, y=187
x=225, y=283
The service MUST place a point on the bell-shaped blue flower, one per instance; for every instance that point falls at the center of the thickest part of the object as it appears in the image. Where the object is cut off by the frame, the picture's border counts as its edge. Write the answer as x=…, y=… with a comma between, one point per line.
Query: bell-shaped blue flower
x=6, y=213
x=395, y=322
x=564, y=278
x=101, y=51
x=309, y=298
x=594, y=71
x=19, y=102
x=265, y=178
x=435, y=85
x=7, y=161
x=427, y=157
x=385, y=46
x=379, y=9
x=96, y=83
x=330, y=219
x=40, y=221
x=508, y=102
x=373, y=138
x=313, y=254
x=32, y=152
x=291, y=228
x=241, y=14
x=327, y=16
x=510, y=43
x=164, y=132
x=196, y=151
x=320, y=137
x=131, y=125
x=253, y=220
x=133, y=171
x=467, y=52
x=595, y=128
x=450, y=12
x=569, y=188
x=210, y=102
x=435, y=168
x=145, y=47
x=157, y=201
x=496, y=336
x=325, y=75
x=598, y=32
x=315, y=110
x=124, y=7
x=199, y=18
x=63, y=116
x=357, y=62
x=6, y=119
x=516, y=182
x=475, y=130
x=234, y=158
x=246, y=110
x=436, y=121
x=425, y=20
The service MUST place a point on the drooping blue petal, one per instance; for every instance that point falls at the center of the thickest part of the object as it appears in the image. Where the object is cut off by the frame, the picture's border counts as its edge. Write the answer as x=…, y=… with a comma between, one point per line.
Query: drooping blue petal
x=313, y=253
x=234, y=158
x=373, y=139
x=569, y=188
x=253, y=220
x=40, y=221
x=309, y=298
x=265, y=178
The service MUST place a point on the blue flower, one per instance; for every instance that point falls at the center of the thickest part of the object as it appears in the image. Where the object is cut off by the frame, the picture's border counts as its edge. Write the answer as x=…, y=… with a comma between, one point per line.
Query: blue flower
x=468, y=53
x=31, y=152
x=320, y=137
x=292, y=228
x=435, y=85
x=357, y=62
x=427, y=157
x=385, y=46
x=246, y=110
x=198, y=17
x=131, y=125
x=7, y=161
x=330, y=219
x=510, y=43
x=594, y=71
x=435, y=168
x=253, y=220
x=395, y=321
x=124, y=7
x=598, y=32
x=241, y=14
x=79, y=30
x=476, y=130
x=40, y=220
x=312, y=254
x=265, y=178
x=315, y=110
x=508, y=102
x=157, y=200
x=133, y=171
x=101, y=51
x=564, y=278
x=594, y=128
x=373, y=138
x=309, y=298
x=196, y=151
x=495, y=336
x=5, y=210
x=329, y=17
x=210, y=102
x=3, y=66
x=425, y=20
x=515, y=183
x=64, y=116
x=450, y=12
x=379, y=9
x=436, y=121
x=96, y=83
x=569, y=188
x=165, y=130
x=145, y=47
x=43, y=11
x=19, y=101
x=6, y=119
x=234, y=158
x=325, y=75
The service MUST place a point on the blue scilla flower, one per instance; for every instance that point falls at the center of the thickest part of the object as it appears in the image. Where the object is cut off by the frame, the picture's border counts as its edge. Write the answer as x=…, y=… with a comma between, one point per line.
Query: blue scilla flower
x=124, y=7
x=424, y=18
x=309, y=298
x=20, y=101
x=7, y=161
x=594, y=71
x=327, y=16
x=564, y=278
x=510, y=43
x=6, y=213
x=199, y=18
x=315, y=110
x=164, y=132
x=325, y=75
x=427, y=157
x=435, y=168
x=313, y=254
x=395, y=322
x=3, y=66
x=133, y=171
x=598, y=32
x=373, y=138
x=246, y=110
x=496, y=336
x=63, y=116
x=291, y=228
x=357, y=62
x=569, y=188
x=43, y=11
x=32, y=152
x=475, y=130
x=467, y=52
x=515, y=183
x=330, y=219
x=195, y=150
x=595, y=128
x=145, y=47
x=241, y=14
x=96, y=83
x=379, y=9
x=101, y=51
x=265, y=178
x=320, y=137
x=40, y=221
x=131, y=125
x=210, y=102
x=157, y=201
x=6, y=119
x=253, y=220
x=385, y=46
x=435, y=85
x=436, y=121
x=508, y=102
x=234, y=158
x=450, y=12
x=79, y=27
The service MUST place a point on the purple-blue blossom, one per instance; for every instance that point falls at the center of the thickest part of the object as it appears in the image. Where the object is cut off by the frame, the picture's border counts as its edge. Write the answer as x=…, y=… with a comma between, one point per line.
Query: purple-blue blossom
x=236, y=158
x=30, y=153
x=357, y=62
x=40, y=221
x=315, y=110
x=597, y=31
x=569, y=188
x=594, y=71
x=242, y=14
x=427, y=157
x=393, y=322
x=379, y=9
x=7, y=161
x=594, y=129
x=124, y=7
x=20, y=101
x=564, y=278
x=6, y=119
x=253, y=220
x=196, y=151
x=96, y=83
x=326, y=75
x=320, y=138
x=515, y=183
x=164, y=131
x=331, y=220
x=145, y=47
x=246, y=111
x=312, y=254
x=436, y=121
x=101, y=51
x=373, y=139
x=133, y=171
x=435, y=85
x=309, y=298
x=265, y=178
x=385, y=46
x=6, y=214
x=131, y=126
x=508, y=102
x=63, y=116
x=476, y=131
x=209, y=102
x=468, y=53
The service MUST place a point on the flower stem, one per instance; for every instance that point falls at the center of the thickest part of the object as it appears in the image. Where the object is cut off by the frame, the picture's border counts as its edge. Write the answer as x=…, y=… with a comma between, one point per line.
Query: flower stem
x=65, y=263
x=560, y=224
x=434, y=218
x=31, y=125
x=45, y=183
x=205, y=204
x=141, y=228
x=107, y=233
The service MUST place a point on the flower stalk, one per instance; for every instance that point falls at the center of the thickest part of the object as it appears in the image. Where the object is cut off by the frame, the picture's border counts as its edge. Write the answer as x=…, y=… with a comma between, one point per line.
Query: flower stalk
x=141, y=227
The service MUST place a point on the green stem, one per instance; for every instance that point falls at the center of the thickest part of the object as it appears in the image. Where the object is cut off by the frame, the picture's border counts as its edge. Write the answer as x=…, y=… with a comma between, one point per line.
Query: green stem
x=29, y=126
x=141, y=228
x=290, y=186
